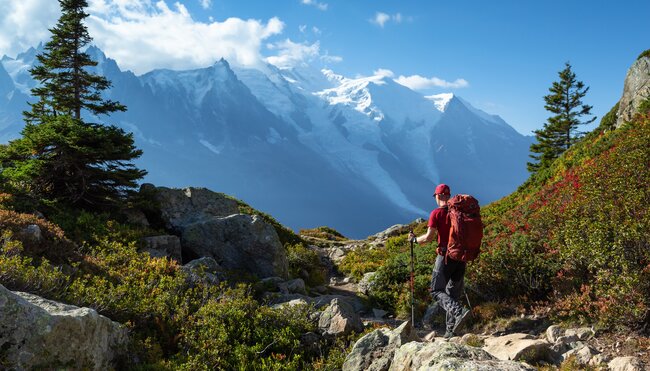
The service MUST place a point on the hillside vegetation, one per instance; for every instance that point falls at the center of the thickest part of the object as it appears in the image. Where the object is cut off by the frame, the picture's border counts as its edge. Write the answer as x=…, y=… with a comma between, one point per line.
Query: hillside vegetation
x=572, y=242
x=94, y=260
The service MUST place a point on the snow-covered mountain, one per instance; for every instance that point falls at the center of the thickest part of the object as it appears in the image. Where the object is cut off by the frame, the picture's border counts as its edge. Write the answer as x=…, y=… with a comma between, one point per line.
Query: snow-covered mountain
x=308, y=146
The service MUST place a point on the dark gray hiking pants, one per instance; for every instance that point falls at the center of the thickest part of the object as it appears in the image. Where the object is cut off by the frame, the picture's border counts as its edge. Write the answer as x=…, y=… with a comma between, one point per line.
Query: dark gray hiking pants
x=447, y=286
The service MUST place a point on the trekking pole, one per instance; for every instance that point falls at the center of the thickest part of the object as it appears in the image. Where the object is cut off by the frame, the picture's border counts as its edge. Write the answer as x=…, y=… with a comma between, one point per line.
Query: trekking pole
x=412, y=286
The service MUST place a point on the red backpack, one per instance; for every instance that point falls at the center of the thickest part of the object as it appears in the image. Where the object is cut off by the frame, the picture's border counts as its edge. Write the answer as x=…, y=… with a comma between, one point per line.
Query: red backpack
x=466, y=228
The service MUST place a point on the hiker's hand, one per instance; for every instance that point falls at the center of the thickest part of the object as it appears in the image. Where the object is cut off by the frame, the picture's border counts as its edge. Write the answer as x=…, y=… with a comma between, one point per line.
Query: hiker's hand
x=412, y=237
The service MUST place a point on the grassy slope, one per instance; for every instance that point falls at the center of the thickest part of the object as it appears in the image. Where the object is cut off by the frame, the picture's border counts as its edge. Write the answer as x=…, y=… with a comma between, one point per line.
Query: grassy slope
x=577, y=234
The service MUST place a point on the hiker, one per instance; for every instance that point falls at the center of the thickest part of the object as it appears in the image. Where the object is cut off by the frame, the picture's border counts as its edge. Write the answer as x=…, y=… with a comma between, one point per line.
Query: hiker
x=448, y=274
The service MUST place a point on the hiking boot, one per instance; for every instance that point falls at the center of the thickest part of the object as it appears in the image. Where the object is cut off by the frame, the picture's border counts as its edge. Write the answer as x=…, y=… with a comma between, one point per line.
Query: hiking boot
x=461, y=319
x=448, y=335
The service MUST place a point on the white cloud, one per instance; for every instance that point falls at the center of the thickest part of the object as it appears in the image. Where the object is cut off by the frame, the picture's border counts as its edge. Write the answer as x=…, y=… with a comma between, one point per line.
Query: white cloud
x=25, y=23
x=384, y=72
x=205, y=4
x=142, y=36
x=328, y=59
x=321, y=6
x=417, y=82
x=381, y=18
x=302, y=28
x=292, y=54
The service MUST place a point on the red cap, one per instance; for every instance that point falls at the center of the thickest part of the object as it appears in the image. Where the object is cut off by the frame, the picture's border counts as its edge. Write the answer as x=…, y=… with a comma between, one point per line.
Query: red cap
x=442, y=189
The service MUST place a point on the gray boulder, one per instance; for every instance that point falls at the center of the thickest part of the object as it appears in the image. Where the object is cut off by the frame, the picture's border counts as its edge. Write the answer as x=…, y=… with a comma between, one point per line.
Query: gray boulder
x=448, y=356
x=238, y=242
x=180, y=207
x=163, y=246
x=295, y=286
x=553, y=333
x=32, y=233
x=626, y=364
x=339, y=318
x=366, y=284
x=582, y=355
x=375, y=350
x=635, y=90
x=518, y=346
x=36, y=333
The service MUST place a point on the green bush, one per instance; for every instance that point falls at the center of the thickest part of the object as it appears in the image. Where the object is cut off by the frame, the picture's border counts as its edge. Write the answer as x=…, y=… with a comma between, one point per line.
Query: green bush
x=235, y=332
x=305, y=261
x=325, y=233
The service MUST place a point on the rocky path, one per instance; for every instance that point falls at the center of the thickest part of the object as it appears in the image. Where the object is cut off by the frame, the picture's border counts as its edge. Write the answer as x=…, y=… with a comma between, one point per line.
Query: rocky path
x=525, y=344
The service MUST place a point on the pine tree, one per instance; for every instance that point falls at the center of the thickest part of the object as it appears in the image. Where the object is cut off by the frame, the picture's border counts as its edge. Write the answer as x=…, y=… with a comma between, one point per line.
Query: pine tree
x=60, y=157
x=560, y=132
x=66, y=86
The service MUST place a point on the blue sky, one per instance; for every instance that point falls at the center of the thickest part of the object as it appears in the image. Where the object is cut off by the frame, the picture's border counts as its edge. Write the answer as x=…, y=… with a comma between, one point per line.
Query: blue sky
x=502, y=56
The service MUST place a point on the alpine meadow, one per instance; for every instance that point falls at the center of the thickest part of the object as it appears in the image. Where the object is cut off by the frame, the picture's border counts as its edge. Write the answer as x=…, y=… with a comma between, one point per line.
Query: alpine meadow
x=183, y=189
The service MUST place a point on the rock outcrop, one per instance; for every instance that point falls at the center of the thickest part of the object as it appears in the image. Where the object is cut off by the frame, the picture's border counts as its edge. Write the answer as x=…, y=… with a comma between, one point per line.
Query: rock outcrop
x=37, y=333
x=375, y=351
x=210, y=225
x=635, y=90
x=400, y=349
x=449, y=356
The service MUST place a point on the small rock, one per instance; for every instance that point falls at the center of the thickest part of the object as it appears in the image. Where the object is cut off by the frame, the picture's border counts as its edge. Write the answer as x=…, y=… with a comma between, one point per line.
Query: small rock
x=582, y=333
x=583, y=354
x=626, y=364
x=517, y=346
x=366, y=283
x=553, y=333
x=295, y=286
x=33, y=233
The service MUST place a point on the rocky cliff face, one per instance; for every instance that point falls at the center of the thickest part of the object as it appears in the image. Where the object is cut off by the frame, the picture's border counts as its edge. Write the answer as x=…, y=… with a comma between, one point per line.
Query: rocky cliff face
x=635, y=91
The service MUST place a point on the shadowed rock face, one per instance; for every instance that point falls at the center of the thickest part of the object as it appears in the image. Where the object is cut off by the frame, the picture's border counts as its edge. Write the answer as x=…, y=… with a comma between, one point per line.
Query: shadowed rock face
x=210, y=225
x=35, y=332
x=238, y=242
x=635, y=91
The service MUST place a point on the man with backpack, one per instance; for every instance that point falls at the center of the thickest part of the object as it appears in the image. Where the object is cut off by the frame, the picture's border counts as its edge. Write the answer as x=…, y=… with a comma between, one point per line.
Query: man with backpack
x=449, y=271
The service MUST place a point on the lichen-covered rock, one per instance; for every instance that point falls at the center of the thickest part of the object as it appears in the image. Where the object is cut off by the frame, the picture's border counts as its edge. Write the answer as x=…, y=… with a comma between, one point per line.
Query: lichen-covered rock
x=366, y=284
x=626, y=364
x=582, y=355
x=36, y=333
x=375, y=350
x=635, y=90
x=448, y=356
x=518, y=347
x=553, y=332
x=339, y=318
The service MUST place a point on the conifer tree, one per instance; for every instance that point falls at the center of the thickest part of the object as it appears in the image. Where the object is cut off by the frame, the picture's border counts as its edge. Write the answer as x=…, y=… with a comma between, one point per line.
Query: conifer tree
x=66, y=86
x=61, y=158
x=561, y=130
